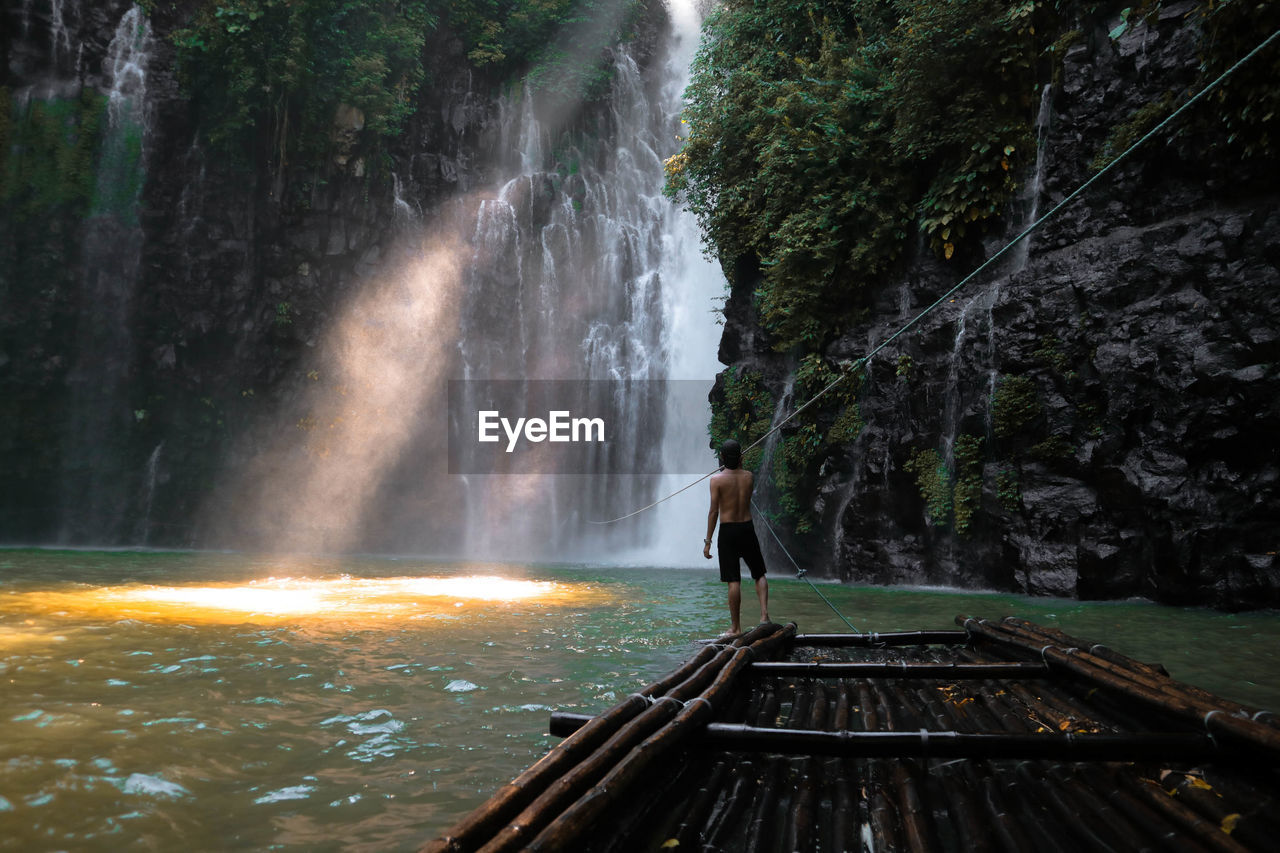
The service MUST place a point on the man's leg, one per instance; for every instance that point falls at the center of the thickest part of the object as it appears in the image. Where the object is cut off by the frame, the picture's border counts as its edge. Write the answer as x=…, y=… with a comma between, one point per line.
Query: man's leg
x=735, y=605
x=762, y=594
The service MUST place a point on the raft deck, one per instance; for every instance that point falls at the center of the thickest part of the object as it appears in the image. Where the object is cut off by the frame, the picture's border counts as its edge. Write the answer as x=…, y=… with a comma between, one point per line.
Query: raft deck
x=1000, y=736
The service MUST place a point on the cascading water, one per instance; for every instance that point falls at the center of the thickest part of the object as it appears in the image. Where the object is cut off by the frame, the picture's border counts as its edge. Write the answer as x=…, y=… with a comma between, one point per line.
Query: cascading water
x=1034, y=187
x=982, y=305
x=143, y=535
x=595, y=275
x=95, y=486
x=573, y=266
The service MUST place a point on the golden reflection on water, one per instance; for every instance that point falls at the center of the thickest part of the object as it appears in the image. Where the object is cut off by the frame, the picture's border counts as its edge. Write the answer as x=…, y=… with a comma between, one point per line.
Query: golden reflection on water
x=294, y=599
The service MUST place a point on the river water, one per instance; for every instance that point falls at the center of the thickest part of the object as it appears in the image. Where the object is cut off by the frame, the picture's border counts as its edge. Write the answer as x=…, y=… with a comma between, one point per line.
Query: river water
x=223, y=701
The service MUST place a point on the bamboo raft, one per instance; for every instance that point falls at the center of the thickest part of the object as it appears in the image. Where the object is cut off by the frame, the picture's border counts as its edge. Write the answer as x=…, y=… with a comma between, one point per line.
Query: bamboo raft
x=1000, y=736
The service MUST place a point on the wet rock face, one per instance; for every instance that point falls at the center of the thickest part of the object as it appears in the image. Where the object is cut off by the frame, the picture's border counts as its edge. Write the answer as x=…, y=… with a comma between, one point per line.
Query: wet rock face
x=1144, y=330
x=238, y=272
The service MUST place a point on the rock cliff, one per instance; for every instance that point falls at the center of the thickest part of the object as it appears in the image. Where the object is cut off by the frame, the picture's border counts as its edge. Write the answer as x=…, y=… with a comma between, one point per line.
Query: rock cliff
x=162, y=306
x=1098, y=417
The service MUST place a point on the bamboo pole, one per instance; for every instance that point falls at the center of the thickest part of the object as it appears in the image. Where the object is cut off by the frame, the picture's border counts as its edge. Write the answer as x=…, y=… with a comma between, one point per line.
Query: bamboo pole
x=881, y=815
x=1156, y=673
x=1251, y=814
x=917, y=828
x=1061, y=638
x=686, y=820
x=627, y=765
x=913, y=833
x=1155, y=825
x=721, y=827
x=1202, y=830
x=1258, y=823
x=737, y=737
x=1140, y=674
x=962, y=808
x=799, y=819
x=554, y=794
x=842, y=827
x=1008, y=829
x=903, y=669
x=898, y=638
x=1062, y=807
x=762, y=827
x=509, y=800
x=1242, y=730
x=1102, y=810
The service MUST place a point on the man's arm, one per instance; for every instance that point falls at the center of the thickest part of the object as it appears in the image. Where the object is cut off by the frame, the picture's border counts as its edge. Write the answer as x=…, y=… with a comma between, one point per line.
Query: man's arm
x=712, y=517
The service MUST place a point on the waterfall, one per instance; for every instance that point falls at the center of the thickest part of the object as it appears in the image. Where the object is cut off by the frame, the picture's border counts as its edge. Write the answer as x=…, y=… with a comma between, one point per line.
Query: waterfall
x=60, y=34
x=570, y=265
x=405, y=212
x=598, y=277
x=976, y=316
x=961, y=397
x=95, y=483
x=1031, y=193
x=148, y=494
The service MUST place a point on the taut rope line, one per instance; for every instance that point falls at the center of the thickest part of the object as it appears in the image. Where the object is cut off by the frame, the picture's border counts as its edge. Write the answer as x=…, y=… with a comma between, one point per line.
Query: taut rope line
x=988, y=262
x=802, y=573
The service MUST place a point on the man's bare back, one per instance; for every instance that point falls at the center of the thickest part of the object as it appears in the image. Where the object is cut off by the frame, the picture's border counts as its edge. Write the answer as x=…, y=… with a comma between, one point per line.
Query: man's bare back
x=731, y=494
x=731, y=508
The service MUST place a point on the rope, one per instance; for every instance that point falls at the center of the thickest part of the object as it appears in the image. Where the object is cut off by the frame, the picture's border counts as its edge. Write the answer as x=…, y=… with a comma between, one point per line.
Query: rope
x=801, y=573
x=991, y=260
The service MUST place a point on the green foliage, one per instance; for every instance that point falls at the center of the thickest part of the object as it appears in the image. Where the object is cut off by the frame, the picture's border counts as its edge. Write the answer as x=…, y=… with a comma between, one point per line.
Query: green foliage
x=788, y=157
x=560, y=44
x=817, y=129
x=1052, y=450
x=967, y=493
x=1051, y=353
x=1134, y=128
x=272, y=73
x=1014, y=404
x=1008, y=490
x=906, y=368
x=789, y=468
x=814, y=375
x=1247, y=107
x=814, y=434
x=963, y=87
x=934, y=480
x=742, y=412
x=950, y=498
x=50, y=151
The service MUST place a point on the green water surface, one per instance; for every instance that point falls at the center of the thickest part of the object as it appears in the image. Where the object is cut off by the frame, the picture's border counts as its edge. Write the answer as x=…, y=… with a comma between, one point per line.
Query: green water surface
x=372, y=717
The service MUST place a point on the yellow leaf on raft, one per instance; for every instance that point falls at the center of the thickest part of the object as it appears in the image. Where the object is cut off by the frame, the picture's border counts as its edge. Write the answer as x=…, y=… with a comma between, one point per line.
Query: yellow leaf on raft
x=671, y=842
x=1229, y=822
x=948, y=250
x=1009, y=149
x=1197, y=782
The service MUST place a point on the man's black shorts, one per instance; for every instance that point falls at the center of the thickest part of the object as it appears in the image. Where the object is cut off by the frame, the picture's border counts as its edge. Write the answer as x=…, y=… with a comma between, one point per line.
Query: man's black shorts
x=738, y=541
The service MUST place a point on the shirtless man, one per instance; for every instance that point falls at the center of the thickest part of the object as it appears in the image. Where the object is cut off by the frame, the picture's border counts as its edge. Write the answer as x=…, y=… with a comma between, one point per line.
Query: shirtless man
x=731, y=505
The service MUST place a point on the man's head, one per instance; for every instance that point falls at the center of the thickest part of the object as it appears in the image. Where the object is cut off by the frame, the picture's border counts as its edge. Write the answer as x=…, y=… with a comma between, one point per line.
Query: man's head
x=731, y=454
